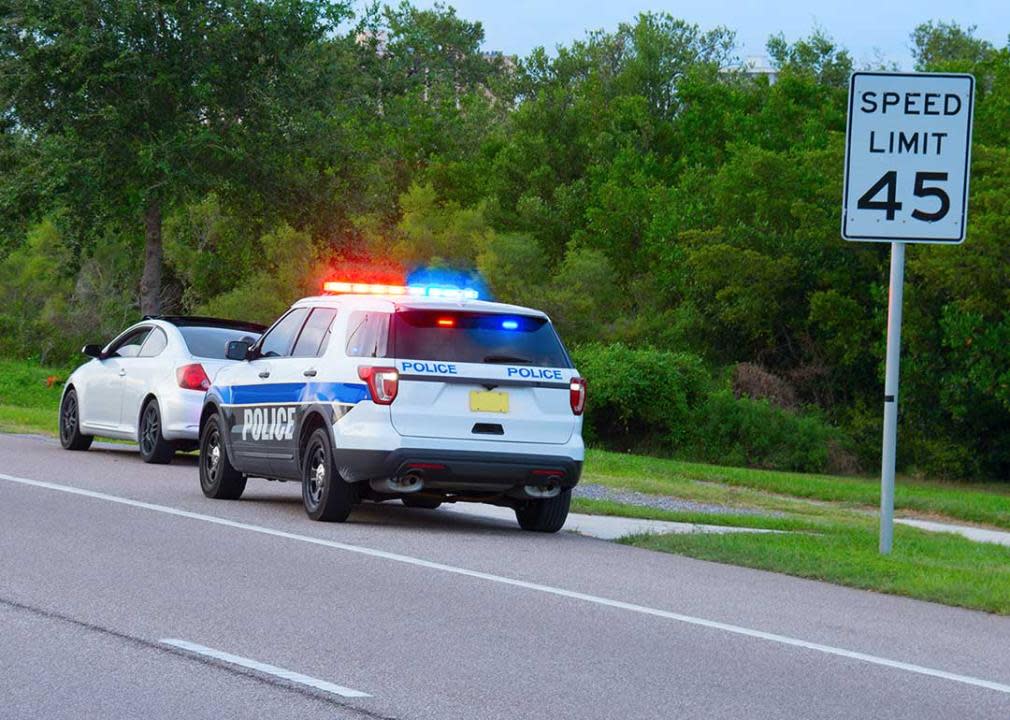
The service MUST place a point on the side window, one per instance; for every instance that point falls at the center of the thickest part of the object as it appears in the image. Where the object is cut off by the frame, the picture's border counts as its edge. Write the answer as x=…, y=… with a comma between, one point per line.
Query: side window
x=155, y=343
x=315, y=334
x=129, y=346
x=367, y=333
x=279, y=339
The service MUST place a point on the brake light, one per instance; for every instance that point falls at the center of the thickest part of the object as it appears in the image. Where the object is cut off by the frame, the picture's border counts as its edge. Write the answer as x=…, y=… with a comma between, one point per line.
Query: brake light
x=192, y=377
x=383, y=383
x=447, y=322
x=577, y=395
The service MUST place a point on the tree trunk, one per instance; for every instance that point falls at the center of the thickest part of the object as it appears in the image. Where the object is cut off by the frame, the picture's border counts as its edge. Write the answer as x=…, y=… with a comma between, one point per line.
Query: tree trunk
x=150, y=281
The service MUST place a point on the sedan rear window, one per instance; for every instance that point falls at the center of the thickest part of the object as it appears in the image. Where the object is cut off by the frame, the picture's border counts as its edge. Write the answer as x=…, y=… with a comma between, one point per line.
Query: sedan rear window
x=211, y=342
x=473, y=337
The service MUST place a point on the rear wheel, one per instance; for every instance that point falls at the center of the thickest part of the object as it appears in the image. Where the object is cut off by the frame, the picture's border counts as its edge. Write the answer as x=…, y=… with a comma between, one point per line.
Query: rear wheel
x=413, y=501
x=218, y=477
x=154, y=448
x=327, y=496
x=546, y=516
x=71, y=437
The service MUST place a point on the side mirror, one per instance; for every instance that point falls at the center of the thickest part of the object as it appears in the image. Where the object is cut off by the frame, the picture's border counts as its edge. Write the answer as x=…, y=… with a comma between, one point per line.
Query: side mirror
x=94, y=351
x=237, y=350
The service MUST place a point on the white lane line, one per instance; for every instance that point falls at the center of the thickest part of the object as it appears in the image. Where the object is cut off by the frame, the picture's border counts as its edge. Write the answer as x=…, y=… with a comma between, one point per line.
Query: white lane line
x=559, y=592
x=289, y=675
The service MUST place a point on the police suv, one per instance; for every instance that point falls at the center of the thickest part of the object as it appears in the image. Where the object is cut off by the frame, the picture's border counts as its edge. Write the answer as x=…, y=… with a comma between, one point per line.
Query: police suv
x=423, y=394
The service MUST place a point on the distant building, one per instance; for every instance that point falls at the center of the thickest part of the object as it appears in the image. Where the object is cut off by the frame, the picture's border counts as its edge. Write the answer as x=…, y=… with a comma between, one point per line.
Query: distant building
x=756, y=66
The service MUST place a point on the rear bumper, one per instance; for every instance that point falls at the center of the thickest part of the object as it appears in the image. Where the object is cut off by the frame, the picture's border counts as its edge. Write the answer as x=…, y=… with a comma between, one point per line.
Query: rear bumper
x=458, y=470
x=180, y=414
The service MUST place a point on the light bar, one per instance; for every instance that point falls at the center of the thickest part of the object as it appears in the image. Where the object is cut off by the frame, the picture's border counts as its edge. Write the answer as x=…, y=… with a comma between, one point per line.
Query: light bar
x=340, y=287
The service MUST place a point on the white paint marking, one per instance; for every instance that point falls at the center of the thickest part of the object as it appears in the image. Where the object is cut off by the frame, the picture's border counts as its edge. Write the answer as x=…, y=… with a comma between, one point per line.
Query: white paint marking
x=258, y=666
x=547, y=589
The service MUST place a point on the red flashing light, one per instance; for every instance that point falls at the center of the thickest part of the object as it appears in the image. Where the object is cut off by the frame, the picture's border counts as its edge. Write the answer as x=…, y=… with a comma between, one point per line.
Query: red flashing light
x=192, y=377
x=357, y=288
x=446, y=322
x=342, y=287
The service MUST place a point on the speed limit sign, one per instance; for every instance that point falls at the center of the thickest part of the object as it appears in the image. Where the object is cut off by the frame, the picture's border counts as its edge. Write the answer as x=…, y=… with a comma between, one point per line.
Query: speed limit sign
x=907, y=154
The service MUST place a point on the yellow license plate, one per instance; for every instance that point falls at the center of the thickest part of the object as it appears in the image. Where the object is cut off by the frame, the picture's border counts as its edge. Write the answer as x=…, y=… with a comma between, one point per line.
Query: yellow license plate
x=489, y=401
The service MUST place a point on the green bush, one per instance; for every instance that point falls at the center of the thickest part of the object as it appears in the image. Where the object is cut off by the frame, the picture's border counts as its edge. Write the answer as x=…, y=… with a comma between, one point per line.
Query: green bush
x=639, y=397
x=740, y=431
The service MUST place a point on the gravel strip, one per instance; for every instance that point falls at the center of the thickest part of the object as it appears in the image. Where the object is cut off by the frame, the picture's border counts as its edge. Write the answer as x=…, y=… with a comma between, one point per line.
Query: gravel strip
x=592, y=491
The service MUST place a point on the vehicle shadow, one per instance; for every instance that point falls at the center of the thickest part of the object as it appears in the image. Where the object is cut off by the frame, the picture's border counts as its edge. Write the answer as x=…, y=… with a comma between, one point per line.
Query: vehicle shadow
x=188, y=459
x=391, y=513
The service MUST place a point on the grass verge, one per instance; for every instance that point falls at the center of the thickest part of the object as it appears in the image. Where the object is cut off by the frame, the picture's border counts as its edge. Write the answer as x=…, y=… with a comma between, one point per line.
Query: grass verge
x=29, y=396
x=928, y=566
x=766, y=522
x=793, y=492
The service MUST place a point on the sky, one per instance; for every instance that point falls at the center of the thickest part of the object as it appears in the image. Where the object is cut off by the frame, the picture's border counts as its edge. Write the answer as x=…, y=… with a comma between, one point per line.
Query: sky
x=867, y=28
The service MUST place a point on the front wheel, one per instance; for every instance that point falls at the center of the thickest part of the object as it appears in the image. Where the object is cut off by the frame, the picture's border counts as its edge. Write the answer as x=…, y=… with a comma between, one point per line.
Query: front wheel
x=71, y=437
x=327, y=496
x=547, y=516
x=154, y=448
x=218, y=477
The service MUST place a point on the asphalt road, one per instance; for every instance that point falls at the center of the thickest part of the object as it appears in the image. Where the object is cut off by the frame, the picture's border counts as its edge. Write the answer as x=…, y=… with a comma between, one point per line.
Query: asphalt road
x=426, y=614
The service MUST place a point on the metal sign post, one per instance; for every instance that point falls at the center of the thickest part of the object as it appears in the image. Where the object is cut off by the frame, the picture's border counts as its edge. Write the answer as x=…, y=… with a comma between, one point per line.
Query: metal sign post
x=907, y=155
x=893, y=358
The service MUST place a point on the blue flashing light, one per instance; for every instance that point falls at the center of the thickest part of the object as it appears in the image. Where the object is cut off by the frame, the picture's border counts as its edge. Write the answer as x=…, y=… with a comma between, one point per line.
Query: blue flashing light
x=510, y=325
x=446, y=284
x=447, y=293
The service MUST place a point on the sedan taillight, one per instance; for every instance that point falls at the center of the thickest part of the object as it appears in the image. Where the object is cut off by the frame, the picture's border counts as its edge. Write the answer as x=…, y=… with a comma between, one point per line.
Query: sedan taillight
x=577, y=395
x=192, y=377
x=383, y=383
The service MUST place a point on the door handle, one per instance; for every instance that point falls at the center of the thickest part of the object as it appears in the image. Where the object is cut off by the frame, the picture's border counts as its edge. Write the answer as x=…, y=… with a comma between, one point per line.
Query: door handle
x=309, y=373
x=122, y=371
x=265, y=374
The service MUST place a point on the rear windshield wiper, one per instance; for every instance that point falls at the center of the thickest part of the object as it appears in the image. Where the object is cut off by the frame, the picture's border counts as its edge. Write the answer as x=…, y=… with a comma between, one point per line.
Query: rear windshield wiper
x=507, y=359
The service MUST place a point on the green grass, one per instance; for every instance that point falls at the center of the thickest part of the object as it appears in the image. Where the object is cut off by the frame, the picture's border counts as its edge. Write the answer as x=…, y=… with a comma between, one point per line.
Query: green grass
x=795, y=492
x=28, y=402
x=768, y=522
x=929, y=566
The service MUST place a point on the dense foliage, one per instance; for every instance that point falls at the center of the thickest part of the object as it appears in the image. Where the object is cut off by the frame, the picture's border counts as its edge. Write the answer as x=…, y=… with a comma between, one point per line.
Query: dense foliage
x=678, y=218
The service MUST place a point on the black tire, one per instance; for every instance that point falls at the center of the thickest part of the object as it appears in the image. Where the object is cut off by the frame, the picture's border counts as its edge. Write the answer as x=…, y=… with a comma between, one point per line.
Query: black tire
x=218, y=477
x=71, y=437
x=154, y=448
x=427, y=503
x=327, y=496
x=547, y=516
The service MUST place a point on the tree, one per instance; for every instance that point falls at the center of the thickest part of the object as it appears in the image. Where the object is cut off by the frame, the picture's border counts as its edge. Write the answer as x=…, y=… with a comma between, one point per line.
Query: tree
x=135, y=107
x=937, y=43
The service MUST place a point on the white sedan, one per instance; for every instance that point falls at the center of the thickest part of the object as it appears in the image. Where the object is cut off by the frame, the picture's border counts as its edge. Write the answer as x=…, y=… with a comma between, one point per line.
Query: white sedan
x=148, y=384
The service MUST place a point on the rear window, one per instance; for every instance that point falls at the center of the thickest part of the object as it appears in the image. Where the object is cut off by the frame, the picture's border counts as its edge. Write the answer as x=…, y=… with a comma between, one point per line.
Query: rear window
x=211, y=342
x=470, y=337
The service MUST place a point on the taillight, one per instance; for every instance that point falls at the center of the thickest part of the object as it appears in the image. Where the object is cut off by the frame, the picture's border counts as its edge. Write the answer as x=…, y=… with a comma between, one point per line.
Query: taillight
x=577, y=395
x=192, y=377
x=383, y=383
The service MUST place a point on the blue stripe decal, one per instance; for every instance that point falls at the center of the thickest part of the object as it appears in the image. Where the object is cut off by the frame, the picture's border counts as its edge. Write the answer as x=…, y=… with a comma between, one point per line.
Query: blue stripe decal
x=349, y=393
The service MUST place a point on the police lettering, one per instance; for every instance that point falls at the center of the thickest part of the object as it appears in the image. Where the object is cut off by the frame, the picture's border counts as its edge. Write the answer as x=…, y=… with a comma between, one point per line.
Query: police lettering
x=430, y=367
x=271, y=423
x=529, y=373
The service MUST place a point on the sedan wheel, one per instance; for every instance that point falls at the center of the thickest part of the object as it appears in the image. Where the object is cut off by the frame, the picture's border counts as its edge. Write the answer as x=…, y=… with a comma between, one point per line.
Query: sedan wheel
x=71, y=437
x=154, y=448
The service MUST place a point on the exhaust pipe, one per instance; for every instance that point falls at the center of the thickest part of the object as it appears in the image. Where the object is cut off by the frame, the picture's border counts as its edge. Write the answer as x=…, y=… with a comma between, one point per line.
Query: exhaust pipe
x=542, y=492
x=409, y=482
